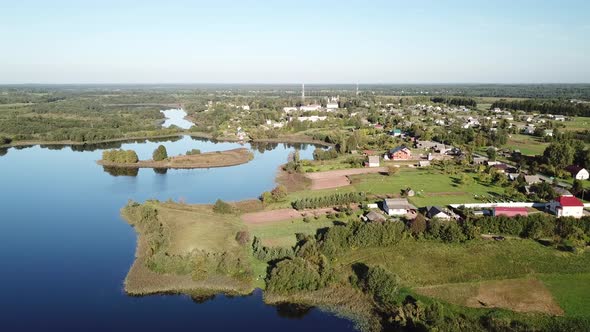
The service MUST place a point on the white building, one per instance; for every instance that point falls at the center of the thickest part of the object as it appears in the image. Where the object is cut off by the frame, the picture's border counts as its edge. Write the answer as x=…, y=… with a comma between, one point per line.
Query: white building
x=313, y=118
x=578, y=172
x=289, y=109
x=398, y=206
x=567, y=206
x=310, y=108
x=373, y=161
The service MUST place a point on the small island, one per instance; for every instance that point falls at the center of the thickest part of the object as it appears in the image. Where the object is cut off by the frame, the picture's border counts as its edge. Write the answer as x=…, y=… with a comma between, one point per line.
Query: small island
x=193, y=159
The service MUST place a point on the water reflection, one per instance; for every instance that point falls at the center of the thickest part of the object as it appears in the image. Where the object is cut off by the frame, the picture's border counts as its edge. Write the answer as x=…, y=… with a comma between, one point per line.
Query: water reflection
x=160, y=170
x=3, y=151
x=292, y=310
x=121, y=171
x=175, y=117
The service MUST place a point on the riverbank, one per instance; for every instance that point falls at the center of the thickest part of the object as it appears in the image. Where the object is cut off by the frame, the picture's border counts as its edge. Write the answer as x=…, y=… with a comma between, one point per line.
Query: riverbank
x=204, y=160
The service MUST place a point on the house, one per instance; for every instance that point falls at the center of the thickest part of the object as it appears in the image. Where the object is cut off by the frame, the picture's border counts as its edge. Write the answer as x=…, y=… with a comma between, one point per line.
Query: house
x=373, y=161
x=529, y=130
x=395, y=132
x=500, y=168
x=559, y=118
x=566, y=206
x=374, y=216
x=311, y=108
x=313, y=118
x=548, y=132
x=509, y=211
x=532, y=179
x=400, y=153
x=398, y=207
x=578, y=172
x=289, y=109
x=435, y=212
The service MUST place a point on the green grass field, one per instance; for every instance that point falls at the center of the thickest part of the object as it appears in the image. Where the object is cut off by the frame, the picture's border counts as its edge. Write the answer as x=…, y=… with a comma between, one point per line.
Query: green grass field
x=432, y=187
x=527, y=144
x=572, y=292
x=282, y=234
x=577, y=123
x=424, y=263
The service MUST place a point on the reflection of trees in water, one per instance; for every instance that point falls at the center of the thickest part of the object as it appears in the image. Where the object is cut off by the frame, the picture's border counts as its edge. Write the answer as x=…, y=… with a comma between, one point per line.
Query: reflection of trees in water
x=52, y=146
x=160, y=170
x=121, y=171
x=202, y=139
x=165, y=139
x=98, y=146
x=293, y=311
x=3, y=151
x=263, y=146
x=200, y=299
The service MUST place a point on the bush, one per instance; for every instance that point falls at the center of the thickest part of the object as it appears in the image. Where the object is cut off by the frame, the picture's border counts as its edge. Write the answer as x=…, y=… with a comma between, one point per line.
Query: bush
x=5, y=140
x=160, y=153
x=120, y=156
x=383, y=285
x=243, y=237
x=330, y=200
x=193, y=152
x=222, y=207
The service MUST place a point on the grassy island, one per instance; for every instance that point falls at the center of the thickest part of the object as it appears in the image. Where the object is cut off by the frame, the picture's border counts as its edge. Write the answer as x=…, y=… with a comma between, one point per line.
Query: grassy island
x=203, y=160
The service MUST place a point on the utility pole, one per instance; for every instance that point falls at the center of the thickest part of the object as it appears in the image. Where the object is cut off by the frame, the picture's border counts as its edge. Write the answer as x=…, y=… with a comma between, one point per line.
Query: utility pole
x=357, y=89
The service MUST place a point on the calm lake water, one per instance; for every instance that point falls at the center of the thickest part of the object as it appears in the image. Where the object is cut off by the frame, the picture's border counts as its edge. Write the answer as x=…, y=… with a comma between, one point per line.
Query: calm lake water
x=65, y=251
x=176, y=117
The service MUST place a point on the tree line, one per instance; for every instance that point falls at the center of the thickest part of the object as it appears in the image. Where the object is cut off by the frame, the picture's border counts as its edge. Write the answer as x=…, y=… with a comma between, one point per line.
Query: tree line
x=455, y=101
x=330, y=200
x=554, y=106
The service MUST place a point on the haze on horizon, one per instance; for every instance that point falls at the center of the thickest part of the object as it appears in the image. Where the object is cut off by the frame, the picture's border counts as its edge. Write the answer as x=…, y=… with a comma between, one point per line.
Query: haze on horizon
x=223, y=41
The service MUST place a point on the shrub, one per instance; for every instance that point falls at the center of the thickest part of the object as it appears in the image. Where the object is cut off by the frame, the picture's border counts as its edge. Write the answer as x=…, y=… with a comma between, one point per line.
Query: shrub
x=120, y=156
x=193, y=152
x=160, y=153
x=222, y=207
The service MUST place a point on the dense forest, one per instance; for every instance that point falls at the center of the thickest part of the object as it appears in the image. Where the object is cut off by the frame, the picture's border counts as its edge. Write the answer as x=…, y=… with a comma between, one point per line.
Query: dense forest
x=563, y=107
x=455, y=101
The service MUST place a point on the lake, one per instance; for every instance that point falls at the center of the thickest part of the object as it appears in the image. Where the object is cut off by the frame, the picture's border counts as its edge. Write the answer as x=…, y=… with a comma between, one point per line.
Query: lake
x=65, y=250
x=175, y=117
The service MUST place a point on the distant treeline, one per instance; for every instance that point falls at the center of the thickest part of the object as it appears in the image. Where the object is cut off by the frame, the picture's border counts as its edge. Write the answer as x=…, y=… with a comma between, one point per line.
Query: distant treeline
x=562, y=107
x=455, y=101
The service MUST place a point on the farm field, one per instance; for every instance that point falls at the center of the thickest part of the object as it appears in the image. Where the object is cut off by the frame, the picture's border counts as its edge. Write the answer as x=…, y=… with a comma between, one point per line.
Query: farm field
x=572, y=292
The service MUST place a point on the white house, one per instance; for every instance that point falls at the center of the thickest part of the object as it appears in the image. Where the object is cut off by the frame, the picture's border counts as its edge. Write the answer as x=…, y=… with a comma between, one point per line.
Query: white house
x=567, y=206
x=308, y=108
x=578, y=173
x=435, y=212
x=313, y=118
x=398, y=207
x=289, y=109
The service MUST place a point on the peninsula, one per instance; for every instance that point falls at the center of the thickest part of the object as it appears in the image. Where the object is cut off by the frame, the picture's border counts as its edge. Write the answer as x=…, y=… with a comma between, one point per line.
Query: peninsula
x=225, y=158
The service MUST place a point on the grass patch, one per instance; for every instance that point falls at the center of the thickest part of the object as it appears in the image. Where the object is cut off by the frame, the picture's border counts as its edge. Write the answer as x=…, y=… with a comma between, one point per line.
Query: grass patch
x=423, y=263
x=527, y=144
x=572, y=292
x=432, y=187
x=282, y=234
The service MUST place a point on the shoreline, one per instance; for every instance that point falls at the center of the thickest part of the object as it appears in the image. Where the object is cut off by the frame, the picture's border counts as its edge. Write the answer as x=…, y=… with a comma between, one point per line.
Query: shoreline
x=286, y=140
x=212, y=159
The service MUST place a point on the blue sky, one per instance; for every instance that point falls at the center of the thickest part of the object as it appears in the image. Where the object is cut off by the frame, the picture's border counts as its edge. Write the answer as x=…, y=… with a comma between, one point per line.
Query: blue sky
x=294, y=41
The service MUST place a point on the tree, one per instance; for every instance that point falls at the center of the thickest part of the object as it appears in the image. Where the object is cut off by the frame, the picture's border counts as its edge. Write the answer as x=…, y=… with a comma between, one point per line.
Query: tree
x=279, y=193
x=418, y=225
x=222, y=207
x=160, y=153
x=577, y=187
x=491, y=152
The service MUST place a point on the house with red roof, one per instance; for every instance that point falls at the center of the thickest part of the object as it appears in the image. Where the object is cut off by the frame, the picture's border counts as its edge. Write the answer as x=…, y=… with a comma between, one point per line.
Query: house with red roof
x=567, y=206
x=509, y=211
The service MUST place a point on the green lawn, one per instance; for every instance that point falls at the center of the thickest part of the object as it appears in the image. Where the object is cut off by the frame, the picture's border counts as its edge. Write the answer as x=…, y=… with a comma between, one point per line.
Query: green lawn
x=423, y=263
x=577, y=123
x=282, y=234
x=527, y=144
x=432, y=187
x=572, y=292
